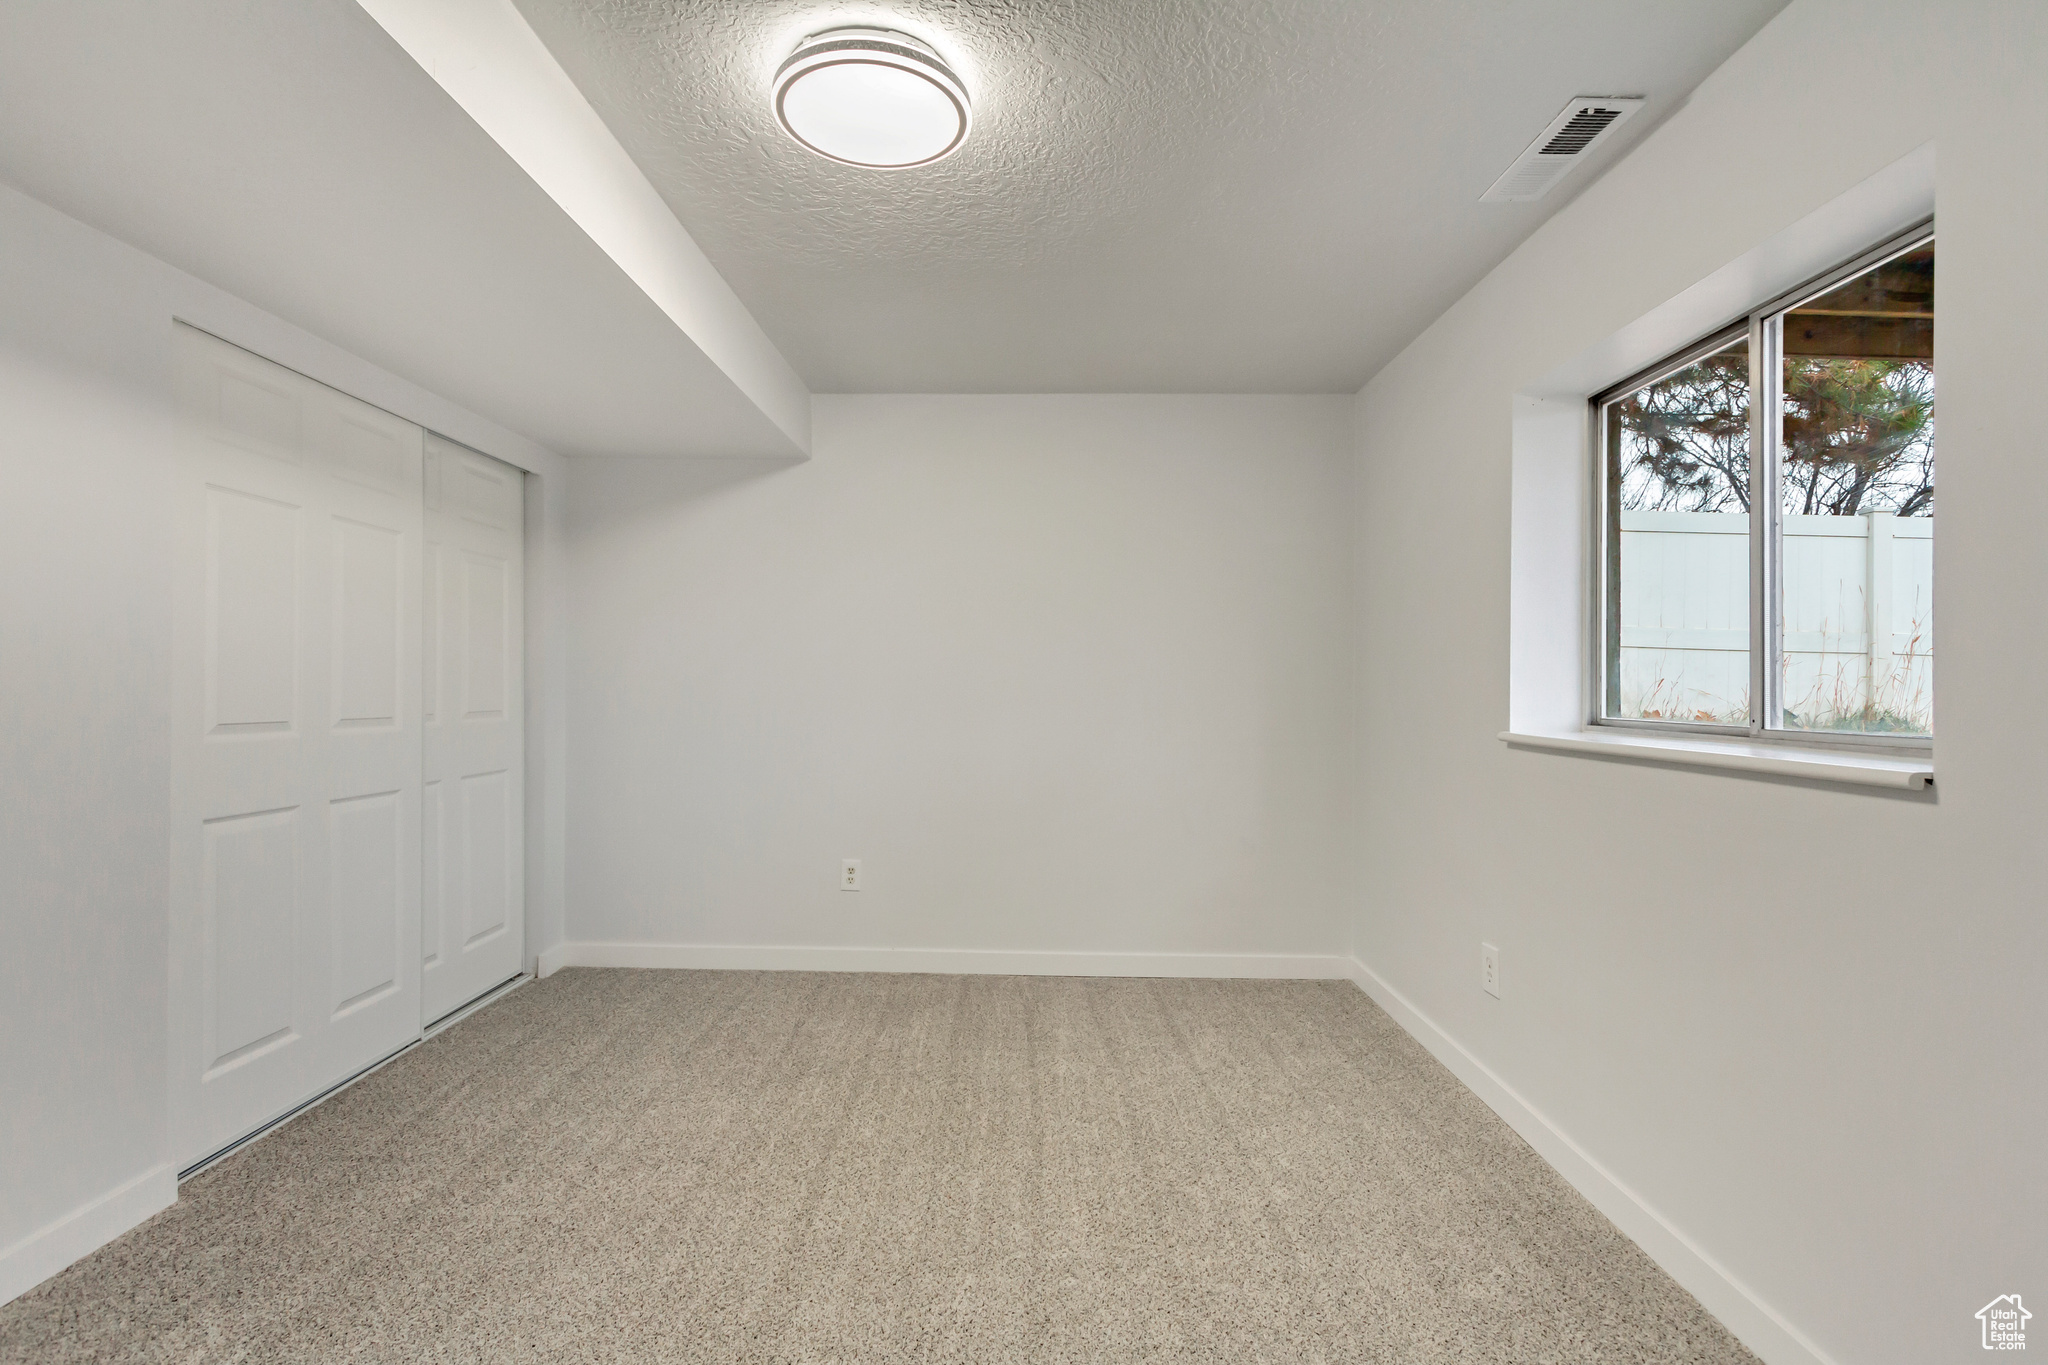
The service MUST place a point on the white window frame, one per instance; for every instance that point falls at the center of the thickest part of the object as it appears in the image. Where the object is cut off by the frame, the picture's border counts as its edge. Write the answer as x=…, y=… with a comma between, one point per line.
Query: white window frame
x=1763, y=326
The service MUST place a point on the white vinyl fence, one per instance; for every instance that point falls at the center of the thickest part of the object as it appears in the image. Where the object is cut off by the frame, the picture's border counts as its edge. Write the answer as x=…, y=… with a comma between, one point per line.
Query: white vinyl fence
x=1859, y=617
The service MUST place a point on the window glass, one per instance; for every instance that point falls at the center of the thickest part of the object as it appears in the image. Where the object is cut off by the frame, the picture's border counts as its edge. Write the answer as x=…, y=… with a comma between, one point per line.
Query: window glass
x=1678, y=504
x=1856, y=500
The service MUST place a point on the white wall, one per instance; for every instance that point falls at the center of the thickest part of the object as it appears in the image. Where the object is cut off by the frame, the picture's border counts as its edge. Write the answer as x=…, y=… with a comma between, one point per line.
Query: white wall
x=86, y=444
x=85, y=617
x=1066, y=673
x=1803, y=1024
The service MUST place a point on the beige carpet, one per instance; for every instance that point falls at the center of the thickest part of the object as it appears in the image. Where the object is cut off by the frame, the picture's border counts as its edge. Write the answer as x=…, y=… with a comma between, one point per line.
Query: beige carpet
x=703, y=1166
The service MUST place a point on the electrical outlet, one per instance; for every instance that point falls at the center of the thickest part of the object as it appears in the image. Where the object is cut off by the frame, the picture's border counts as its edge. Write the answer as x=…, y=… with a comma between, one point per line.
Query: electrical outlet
x=849, y=874
x=1489, y=969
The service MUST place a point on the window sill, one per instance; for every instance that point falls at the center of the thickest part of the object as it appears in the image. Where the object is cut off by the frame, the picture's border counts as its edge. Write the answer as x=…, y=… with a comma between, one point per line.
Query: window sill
x=1815, y=765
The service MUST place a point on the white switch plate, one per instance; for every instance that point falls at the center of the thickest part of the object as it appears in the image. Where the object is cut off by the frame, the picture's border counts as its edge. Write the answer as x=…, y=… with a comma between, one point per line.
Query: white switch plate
x=1489, y=969
x=849, y=874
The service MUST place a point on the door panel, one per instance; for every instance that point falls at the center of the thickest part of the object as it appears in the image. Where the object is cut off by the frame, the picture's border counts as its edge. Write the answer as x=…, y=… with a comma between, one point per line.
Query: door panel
x=484, y=614
x=475, y=726
x=433, y=897
x=367, y=909
x=244, y=403
x=369, y=564
x=251, y=924
x=296, y=772
x=252, y=611
x=487, y=823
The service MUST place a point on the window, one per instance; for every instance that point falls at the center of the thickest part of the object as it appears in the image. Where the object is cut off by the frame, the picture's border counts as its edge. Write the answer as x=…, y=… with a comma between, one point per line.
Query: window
x=1767, y=519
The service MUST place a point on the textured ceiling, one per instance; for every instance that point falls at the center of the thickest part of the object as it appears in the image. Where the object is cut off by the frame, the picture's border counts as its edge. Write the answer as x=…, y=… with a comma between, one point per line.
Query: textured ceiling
x=1159, y=195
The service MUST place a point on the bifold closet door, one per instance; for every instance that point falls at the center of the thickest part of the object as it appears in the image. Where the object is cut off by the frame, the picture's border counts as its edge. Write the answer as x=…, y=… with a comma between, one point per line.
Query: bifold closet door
x=473, y=904
x=297, y=601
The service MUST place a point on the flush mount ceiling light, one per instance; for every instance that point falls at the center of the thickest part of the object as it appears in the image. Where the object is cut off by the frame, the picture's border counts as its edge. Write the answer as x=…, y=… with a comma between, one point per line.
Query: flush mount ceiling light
x=871, y=97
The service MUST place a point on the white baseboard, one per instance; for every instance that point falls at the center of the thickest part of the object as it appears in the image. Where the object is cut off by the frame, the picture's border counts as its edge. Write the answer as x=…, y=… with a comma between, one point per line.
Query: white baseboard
x=49, y=1249
x=551, y=960
x=964, y=961
x=1755, y=1323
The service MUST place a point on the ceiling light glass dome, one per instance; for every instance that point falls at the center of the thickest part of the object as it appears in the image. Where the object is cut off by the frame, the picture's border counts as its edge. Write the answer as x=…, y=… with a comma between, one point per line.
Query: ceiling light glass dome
x=871, y=97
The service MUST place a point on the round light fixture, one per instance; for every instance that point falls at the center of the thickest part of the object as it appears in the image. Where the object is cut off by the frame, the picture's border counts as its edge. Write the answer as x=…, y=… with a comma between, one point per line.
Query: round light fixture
x=871, y=97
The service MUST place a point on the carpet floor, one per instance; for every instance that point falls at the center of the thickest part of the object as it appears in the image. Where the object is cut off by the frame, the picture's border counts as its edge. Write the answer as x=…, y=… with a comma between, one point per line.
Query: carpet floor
x=740, y=1166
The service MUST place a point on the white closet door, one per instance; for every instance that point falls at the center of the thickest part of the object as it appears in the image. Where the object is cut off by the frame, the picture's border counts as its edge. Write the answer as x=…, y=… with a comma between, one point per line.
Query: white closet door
x=473, y=907
x=296, y=765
